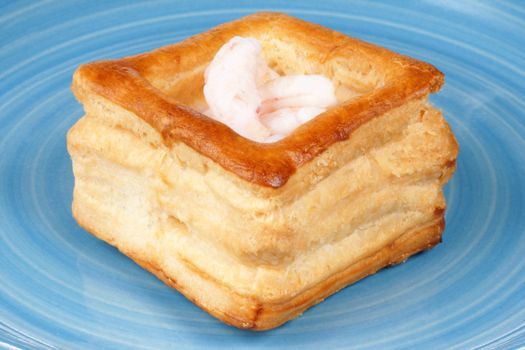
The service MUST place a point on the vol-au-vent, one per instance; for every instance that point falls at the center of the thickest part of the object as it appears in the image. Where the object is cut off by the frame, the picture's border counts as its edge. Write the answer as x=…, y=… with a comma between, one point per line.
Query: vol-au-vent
x=253, y=232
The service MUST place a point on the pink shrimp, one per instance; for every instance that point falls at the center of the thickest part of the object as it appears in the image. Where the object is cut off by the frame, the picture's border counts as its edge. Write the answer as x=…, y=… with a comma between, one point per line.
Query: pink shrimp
x=292, y=91
x=285, y=120
x=243, y=92
x=230, y=88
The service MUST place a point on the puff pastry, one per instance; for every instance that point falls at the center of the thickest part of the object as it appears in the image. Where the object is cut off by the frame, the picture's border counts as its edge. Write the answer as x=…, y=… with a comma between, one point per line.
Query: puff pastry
x=257, y=233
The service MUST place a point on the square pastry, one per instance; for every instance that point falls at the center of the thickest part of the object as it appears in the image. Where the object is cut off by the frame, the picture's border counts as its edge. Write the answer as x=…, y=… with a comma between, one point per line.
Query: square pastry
x=256, y=233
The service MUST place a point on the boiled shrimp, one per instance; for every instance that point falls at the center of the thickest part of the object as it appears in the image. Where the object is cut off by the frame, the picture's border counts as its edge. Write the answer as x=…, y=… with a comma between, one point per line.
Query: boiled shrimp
x=231, y=87
x=292, y=91
x=285, y=120
x=243, y=92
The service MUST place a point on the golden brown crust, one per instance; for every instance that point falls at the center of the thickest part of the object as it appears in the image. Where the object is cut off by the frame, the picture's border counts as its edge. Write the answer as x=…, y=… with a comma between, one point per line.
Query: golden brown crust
x=126, y=82
x=267, y=316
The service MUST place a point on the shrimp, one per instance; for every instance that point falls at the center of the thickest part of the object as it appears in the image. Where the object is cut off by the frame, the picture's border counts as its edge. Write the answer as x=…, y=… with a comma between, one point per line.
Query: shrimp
x=285, y=120
x=243, y=92
x=293, y=100
x=294, y=91
x=231, y=87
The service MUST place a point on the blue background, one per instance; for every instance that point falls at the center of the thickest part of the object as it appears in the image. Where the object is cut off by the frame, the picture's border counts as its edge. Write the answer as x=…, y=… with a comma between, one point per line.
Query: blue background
x=62, y=288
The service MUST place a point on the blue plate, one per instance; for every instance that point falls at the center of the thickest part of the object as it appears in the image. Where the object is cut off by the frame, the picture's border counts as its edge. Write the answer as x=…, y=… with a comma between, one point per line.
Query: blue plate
x=62, y=288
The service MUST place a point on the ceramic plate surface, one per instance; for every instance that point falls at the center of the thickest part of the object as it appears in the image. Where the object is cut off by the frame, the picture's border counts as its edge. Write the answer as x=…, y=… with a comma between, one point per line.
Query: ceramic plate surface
x=62, y=288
